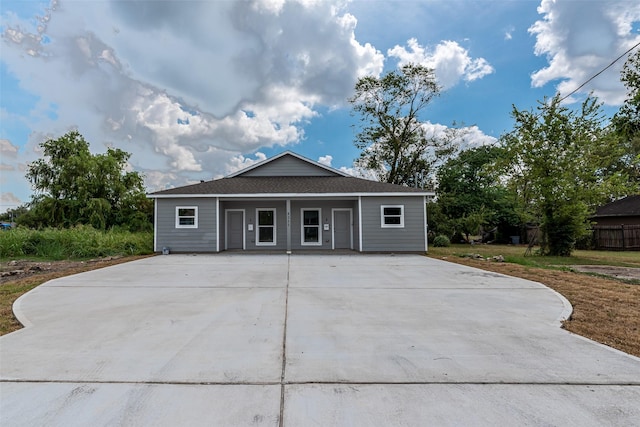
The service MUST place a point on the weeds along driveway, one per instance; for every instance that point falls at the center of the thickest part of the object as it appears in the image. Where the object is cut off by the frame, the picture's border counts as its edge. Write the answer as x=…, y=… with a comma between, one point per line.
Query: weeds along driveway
x=246, y=339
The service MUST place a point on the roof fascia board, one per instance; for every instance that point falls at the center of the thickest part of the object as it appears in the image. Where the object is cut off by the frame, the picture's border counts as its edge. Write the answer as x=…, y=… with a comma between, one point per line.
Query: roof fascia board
x=285, y=195
x=284, y=153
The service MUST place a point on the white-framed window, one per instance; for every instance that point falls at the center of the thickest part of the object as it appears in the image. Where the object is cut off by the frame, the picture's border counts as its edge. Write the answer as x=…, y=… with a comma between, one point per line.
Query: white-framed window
x=311, y=234
x=392, y=216
x=186, y=217
x=266, y=227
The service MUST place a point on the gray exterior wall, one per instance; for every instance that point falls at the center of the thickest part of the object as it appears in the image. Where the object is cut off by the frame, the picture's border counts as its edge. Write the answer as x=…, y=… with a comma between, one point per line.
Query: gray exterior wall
x=326, y=218
x=288, y=166
x=201, y=239
x=250, y=218
x=410, y=238
x=375, y=238
x=281, y=221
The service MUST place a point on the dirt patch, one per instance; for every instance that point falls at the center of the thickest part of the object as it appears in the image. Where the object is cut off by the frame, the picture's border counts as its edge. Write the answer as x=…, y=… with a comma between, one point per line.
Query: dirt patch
x=20, y=269
x=604, y=310
x=623, y=273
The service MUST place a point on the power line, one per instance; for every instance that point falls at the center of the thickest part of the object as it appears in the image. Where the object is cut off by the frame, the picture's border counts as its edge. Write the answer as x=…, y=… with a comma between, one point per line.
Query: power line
x=600, y=72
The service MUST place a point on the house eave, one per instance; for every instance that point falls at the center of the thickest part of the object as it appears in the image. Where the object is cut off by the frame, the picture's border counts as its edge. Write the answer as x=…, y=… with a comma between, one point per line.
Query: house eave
x=292, y=195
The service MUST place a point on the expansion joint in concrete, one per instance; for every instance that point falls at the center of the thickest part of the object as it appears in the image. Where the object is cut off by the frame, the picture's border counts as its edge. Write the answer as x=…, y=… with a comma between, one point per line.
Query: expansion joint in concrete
x=284, y=344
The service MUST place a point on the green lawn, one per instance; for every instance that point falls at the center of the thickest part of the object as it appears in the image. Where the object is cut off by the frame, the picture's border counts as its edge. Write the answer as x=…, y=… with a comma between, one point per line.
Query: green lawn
x=516, y=255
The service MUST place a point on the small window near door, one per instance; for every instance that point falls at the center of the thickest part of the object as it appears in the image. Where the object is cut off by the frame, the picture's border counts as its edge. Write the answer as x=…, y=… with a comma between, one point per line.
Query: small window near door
x=311, y=234
x=186, y=217
x=392, y=216
x=266, y=223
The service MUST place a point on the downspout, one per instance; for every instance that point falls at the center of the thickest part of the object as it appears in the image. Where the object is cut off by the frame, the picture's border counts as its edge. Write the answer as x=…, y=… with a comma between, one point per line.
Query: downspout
x=155, y=224
x=288, y=226
x=426, y=234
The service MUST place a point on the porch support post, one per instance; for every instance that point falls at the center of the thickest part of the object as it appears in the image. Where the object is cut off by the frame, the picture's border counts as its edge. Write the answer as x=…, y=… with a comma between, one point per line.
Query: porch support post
x=218, y=228
x=360, y=223
x=288, y=226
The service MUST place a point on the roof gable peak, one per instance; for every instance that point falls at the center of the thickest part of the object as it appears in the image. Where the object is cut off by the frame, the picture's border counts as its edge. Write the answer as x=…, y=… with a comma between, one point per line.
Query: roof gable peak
x=308, y=164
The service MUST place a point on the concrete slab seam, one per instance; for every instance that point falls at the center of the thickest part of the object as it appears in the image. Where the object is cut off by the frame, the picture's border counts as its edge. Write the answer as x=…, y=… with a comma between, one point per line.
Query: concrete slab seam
x=150, y=382
x=354, y=383
x=488, y=383
x=284, y=344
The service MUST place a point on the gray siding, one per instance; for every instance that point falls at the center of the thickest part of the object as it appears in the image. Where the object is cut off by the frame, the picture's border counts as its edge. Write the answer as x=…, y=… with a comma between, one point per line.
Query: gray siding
x=407, y=239
x=288, y=166
x=325, y=206
x=250, y=218
x=281, y=221
x=201, y=239
x=375, y=238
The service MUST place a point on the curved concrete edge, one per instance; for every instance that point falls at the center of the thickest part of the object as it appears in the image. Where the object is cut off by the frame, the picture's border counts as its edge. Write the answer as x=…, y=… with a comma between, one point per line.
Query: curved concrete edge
x=615, y=350
x=17, y=309
x=566, y=314
x=567, y=308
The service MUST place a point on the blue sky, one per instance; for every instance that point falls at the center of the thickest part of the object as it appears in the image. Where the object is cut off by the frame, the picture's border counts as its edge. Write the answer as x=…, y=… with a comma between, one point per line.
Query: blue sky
x=197, y=89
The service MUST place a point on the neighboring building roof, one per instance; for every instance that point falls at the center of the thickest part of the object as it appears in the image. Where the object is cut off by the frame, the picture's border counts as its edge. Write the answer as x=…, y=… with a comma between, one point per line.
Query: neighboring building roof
x=301, y=176
x=289, y=185
x=629, y=206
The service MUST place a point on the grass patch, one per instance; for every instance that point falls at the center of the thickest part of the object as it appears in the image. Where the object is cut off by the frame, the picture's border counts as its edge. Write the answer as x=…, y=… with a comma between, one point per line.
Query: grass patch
x=80, y=242
x=604, y=309
x=515, y=254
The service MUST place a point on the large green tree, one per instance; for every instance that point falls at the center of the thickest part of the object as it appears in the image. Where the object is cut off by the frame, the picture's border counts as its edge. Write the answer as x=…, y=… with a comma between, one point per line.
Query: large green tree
x=626, y=122
x=560, y=163
x=73, y=186
x=392, y=135
x=470, y=193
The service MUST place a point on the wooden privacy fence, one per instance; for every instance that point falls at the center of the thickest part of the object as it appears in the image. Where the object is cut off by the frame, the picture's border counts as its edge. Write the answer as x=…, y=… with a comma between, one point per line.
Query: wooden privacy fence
x=617, y=237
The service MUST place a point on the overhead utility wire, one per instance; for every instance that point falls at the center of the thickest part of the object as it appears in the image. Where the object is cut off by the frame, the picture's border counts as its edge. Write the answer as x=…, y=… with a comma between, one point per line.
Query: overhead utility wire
x=599, y=72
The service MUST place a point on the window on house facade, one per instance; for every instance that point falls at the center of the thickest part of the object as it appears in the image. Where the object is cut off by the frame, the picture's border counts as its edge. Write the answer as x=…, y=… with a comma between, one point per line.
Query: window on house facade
x=186, y=217
x=266, y=224
x=311, y=234
x=392, y=216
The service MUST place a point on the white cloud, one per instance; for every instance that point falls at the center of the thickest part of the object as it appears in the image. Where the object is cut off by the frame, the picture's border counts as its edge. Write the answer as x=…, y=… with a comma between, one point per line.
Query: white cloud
x=185, y=87
x=7, y=149
x=9, y=201
x=12, y=175
x=450, y=61
x=240, y=162
x=580, y=39
x=462, y=138
x=325, y=160
x=358, y=171
x=508, y=33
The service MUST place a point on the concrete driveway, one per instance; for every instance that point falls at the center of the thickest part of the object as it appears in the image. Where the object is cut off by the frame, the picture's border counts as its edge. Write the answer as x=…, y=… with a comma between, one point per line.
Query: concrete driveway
x=305, y=340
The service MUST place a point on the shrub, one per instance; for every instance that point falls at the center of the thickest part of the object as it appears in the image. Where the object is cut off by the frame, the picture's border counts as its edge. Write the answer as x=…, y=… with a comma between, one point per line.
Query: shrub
x=441, y=241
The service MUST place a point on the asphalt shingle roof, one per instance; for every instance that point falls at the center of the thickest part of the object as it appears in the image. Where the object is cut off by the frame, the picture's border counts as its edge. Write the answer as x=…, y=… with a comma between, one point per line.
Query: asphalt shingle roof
x=629, y=206
x=288, y=185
